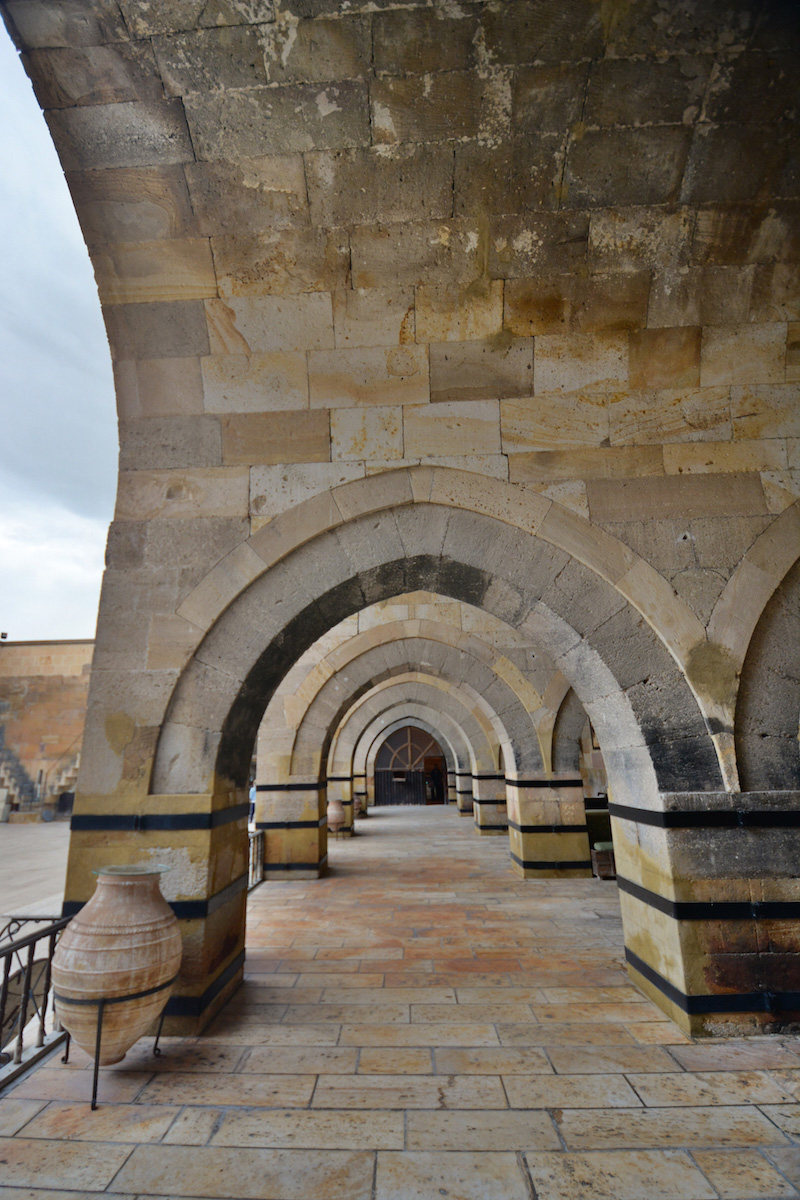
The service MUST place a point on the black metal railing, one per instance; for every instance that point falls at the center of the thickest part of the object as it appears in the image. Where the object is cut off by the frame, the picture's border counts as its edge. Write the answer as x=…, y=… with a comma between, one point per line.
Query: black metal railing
x=27, y=945
x=256, y=868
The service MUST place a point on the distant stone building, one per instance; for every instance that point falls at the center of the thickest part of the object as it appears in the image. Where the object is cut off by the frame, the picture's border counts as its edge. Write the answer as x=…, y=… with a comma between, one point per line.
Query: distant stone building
x=44, y=687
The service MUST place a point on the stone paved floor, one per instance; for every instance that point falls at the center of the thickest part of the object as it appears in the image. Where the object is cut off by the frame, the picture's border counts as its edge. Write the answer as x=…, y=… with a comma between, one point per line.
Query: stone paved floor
x=421, y=1024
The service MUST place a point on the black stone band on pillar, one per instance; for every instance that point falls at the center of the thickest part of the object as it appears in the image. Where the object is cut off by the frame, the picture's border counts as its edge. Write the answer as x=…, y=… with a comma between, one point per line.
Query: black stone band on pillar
x=713, y=910
x=769, y=1002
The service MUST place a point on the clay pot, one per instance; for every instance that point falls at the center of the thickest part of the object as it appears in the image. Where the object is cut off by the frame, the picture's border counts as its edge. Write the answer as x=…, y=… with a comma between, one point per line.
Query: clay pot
x=336, y=816
x=125, y=941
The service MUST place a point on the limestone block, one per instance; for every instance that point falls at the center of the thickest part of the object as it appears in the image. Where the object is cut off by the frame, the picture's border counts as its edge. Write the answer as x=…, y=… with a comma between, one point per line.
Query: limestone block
x=373, y=316
x=247, y=324
x=700, y=589
x=39, y=23
x=470, y=427
x=317, y=51
x=372, y=186
x=139, y=204
x=735, y=164
x=276, y=437
x=221, y=585
x=420, y=41
x=189, y=547
x=145, y=272
x=700, y=296
x=525, y=245
x=633, y=239
x=174, y=329
x=254, y=382
x=453, y=314
x=445, y=106
x=626, y=166
x=793, y=353
x=204, y=60
x=736, y=234
x=515, y=34
x=249, y=122
x=213, y=492
x=249, y=196
x=574, y=303
x=136, y=134
x=603, y=554
x=553, y=421
x=664, y=358
x=744, y=354
x=280, y=262
x=670, y=415
x=765, y=412
x=685, y=496
x=622, y=91
x=275, y=489
x=781, y=489
x=586, y=362
x=549, y=98
x=724, y=457
x=414, y=253
x=278, y=537
x=517, y=176
x=171, y=641
x=580, y=462
x=94, y=75
x=492, y=466
x=481, y=370
x=359, y=434
x=713, y=28
x=569, y=493
x=380, y=375
x=158, y=442
x=776, y=293
x=158, y=387
x=668, y=544
x=722, y=543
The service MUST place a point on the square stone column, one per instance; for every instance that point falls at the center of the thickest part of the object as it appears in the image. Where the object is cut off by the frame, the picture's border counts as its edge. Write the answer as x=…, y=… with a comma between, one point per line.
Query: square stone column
x=489, y=804
x=547, y=828
x=293, y=818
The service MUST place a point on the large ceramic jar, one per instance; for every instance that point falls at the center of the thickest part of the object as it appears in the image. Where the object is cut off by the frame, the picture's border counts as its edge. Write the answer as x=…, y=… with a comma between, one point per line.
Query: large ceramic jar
x=124, y=946
x=336, y=816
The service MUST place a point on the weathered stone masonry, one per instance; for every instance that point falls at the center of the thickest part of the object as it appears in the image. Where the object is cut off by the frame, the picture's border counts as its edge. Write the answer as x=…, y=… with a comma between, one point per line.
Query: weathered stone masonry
x=493, y=304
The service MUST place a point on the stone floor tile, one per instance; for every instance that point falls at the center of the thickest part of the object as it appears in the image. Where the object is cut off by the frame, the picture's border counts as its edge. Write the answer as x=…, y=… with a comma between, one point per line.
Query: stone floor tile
x=426, y=1175
x=599, y=1060
x=500, y=995
x=279, y=1035
x=252, y=997
x=390, y=953
x=569, y=1091
x=59, y=1083
x=300, y=1060
x=624, y=1129
x=203, y=1058
x=366, y=1014
x=611, y=1013
x=566, y=1034
x=484, y=1130
x=787, y=1160
x=86, y=1166
x=785, y=1116
x=193, y=1127
x=493, y=1060
x=223, y=1173
x=756, y=1054
x=789, y=1081
x=15, y=1113
x=624, y=994
x=717, y=1087
x=510, y=1013
x=418, y=1035
x=312, y=1130
x=409, y=1091
x=742, y=1175
x=345, y=981
x=619, y=1175
x=657, y=1033
x=24, y=1193
x=108, y=1123
x=383, y=1060
x=434, y=996
x=272, y=1091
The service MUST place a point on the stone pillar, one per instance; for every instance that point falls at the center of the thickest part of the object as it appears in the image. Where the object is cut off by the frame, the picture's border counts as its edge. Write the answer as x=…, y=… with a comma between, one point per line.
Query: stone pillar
x=547, y=828
x=710, y=901
x=360, y=792
x=464, y=793
x=293, y=817
x=203, y=841
x=452, y=788
x=489, y=804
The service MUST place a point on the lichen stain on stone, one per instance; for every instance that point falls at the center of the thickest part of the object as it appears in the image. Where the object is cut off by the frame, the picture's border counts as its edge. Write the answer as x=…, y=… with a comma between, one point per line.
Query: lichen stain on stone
x=713, y=672
x=119, y=730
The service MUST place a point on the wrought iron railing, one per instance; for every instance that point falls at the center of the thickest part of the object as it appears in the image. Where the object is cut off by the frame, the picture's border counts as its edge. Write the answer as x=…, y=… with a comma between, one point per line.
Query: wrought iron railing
x=27, y=945
x=256, y=867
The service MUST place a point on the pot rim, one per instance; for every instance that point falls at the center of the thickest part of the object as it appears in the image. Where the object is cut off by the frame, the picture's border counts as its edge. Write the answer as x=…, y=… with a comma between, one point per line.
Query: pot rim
x=132, y=869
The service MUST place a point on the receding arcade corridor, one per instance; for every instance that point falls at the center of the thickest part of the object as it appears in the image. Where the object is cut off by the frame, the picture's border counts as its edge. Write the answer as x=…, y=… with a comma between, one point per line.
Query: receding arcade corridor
x=422, y=1023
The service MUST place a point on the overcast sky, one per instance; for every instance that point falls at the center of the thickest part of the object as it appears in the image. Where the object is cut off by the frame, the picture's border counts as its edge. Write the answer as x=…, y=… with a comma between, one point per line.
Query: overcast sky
x=58, y=446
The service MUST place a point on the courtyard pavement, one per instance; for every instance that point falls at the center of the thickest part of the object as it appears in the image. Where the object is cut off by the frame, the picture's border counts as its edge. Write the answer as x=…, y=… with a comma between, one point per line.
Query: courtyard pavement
x=420, y=1024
